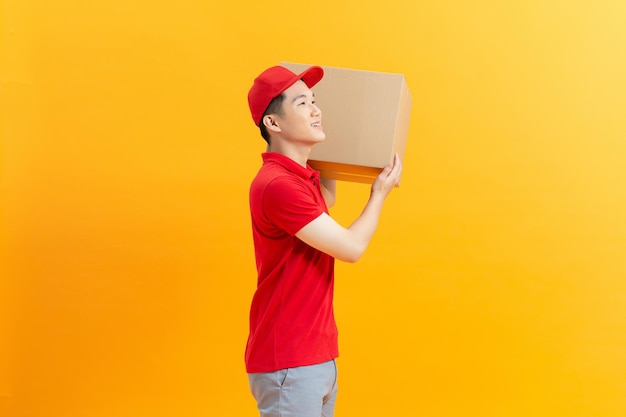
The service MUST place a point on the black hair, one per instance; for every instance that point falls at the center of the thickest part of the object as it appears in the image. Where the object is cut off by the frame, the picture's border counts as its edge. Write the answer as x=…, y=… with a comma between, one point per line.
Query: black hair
x=275, y=107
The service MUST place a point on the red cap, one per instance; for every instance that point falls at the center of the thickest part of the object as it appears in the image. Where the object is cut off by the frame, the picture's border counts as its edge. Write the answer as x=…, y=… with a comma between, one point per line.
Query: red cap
x=272, y=82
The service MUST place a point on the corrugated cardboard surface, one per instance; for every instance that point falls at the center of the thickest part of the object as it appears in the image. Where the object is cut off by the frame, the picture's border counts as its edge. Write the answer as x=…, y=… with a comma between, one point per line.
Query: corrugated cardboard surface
x=365, y=115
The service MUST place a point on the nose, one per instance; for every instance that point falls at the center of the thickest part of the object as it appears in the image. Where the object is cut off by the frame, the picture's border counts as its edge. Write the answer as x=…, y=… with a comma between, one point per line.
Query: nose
x=315, y=110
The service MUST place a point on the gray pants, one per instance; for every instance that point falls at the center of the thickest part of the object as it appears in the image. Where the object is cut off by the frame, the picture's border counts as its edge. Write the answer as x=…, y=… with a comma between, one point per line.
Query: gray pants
x=305, y=391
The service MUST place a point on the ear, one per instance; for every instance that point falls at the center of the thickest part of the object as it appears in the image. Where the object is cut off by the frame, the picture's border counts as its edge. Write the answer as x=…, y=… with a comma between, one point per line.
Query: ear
x=271, y=123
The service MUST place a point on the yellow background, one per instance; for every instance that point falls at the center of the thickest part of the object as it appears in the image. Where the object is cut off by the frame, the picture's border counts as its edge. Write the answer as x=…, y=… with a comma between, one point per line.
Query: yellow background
x=495, y=285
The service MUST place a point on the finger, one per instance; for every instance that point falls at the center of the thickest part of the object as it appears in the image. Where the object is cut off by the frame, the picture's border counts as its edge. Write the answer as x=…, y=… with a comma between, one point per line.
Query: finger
x=393, y=163
x=387, y=169
x=397, y=164
x=398, y=170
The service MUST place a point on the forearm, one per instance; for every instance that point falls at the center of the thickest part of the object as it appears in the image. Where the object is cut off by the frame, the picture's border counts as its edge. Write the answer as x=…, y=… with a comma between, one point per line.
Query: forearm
x=349, y=244
x=363, y=228
x=365, y=225
x=345, y=244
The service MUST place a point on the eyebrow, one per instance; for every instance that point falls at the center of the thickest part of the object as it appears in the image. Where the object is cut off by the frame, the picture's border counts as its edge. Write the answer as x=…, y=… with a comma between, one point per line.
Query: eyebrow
x=301, y=96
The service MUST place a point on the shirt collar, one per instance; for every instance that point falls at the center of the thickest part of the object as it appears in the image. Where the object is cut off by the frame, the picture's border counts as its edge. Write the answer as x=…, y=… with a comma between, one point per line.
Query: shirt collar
x=291, y=165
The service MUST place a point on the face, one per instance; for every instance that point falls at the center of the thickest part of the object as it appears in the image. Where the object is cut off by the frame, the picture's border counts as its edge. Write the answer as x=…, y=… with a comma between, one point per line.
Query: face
x=301, y=119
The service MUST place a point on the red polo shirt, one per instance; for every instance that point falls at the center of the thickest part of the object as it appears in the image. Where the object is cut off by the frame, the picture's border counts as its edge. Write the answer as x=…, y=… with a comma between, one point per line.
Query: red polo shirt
x=291, y=317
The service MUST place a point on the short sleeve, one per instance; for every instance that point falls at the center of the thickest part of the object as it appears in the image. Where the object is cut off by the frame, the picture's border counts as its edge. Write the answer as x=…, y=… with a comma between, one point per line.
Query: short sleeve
x=290, y=204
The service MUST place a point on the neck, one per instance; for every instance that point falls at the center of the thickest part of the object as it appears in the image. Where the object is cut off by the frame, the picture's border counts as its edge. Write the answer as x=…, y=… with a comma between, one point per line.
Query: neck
x=299, y=154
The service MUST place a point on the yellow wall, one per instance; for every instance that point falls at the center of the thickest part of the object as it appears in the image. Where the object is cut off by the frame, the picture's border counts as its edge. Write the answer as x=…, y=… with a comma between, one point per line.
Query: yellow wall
x=494, y=287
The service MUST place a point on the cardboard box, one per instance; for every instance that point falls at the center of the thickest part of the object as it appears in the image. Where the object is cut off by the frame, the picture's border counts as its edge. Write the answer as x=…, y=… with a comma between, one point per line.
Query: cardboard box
x=365, y=116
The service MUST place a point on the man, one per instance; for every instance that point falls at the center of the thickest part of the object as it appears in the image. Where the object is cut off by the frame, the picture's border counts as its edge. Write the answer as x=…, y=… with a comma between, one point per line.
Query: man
x=292, y=346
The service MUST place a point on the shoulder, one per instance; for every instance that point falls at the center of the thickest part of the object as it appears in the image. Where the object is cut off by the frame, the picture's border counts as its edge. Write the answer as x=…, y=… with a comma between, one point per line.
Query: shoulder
x=277, y=180
x=283, y=189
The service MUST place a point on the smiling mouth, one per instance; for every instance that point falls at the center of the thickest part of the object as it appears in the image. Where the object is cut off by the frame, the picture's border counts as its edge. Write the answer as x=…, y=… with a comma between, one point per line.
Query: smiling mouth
x=316, y=124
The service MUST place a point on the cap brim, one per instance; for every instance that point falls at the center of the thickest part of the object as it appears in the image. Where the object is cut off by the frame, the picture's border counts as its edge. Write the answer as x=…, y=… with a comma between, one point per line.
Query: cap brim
x=312, y=75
